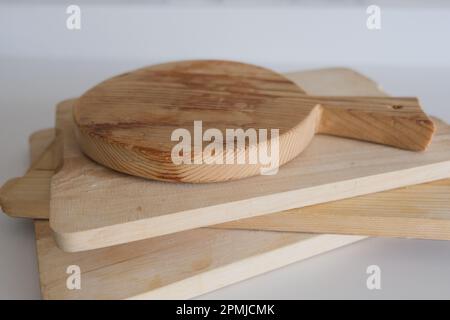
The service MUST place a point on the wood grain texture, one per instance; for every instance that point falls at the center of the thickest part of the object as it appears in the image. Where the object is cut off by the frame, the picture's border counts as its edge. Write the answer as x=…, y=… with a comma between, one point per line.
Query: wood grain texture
x=417, y=211
x=126, y=122
x=420, y=211
x=181, y=265
x=176, y=266
x=93, y=207
x=29, y=196
x=126, y=271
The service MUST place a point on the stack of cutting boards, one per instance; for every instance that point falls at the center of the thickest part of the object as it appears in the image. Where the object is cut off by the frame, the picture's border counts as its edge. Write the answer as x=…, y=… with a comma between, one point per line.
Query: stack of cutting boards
x=135, y=237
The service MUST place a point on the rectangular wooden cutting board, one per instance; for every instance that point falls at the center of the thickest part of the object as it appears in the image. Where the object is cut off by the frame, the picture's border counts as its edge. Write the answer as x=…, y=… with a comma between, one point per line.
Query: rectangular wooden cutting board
x=419, y=211
x=93, y=207
x=181, y=265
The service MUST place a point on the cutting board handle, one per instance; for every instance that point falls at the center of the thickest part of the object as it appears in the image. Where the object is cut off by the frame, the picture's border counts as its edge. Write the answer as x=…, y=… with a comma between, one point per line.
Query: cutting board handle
x=398, y=122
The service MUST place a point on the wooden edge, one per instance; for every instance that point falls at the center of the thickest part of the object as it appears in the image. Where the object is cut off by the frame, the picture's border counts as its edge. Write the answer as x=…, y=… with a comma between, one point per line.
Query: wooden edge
x=314, y=222
x=5, y=192
x=250, y=267
x=28, y=196
x=397, y=122
x=39, y=141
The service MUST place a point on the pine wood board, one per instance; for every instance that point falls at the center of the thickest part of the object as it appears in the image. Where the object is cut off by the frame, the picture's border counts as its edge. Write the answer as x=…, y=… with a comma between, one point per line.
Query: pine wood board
x=419, y=211
x=181, y=265
x=176, y=266
x=131, y=122
x=92, y=206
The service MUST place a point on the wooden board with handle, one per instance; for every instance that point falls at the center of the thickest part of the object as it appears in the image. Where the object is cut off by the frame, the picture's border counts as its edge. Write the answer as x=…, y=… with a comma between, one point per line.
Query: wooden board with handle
x=128, y=122
x=92, y=206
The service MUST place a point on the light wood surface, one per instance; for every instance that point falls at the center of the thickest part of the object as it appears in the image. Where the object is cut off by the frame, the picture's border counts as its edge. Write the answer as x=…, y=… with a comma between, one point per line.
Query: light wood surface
x=126, y=271
x=41, y=147
x=126, y=122
x=176, y=266
x=93, y=207
x=420, y=211
x=29, y=196
x=182, y=265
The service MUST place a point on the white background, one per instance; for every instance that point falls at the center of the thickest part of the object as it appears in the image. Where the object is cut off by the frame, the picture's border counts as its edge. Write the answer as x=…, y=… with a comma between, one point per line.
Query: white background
x=41, y=63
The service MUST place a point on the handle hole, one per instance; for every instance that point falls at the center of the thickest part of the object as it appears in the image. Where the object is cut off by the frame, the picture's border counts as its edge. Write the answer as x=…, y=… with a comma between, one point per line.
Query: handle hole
x=397, y=107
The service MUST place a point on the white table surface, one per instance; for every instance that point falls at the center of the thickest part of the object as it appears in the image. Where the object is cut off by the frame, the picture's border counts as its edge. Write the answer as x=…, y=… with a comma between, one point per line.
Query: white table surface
x=34, y=76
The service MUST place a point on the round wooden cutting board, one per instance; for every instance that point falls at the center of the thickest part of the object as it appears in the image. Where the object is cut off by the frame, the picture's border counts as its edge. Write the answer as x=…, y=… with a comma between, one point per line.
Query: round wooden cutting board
x=132, y=122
